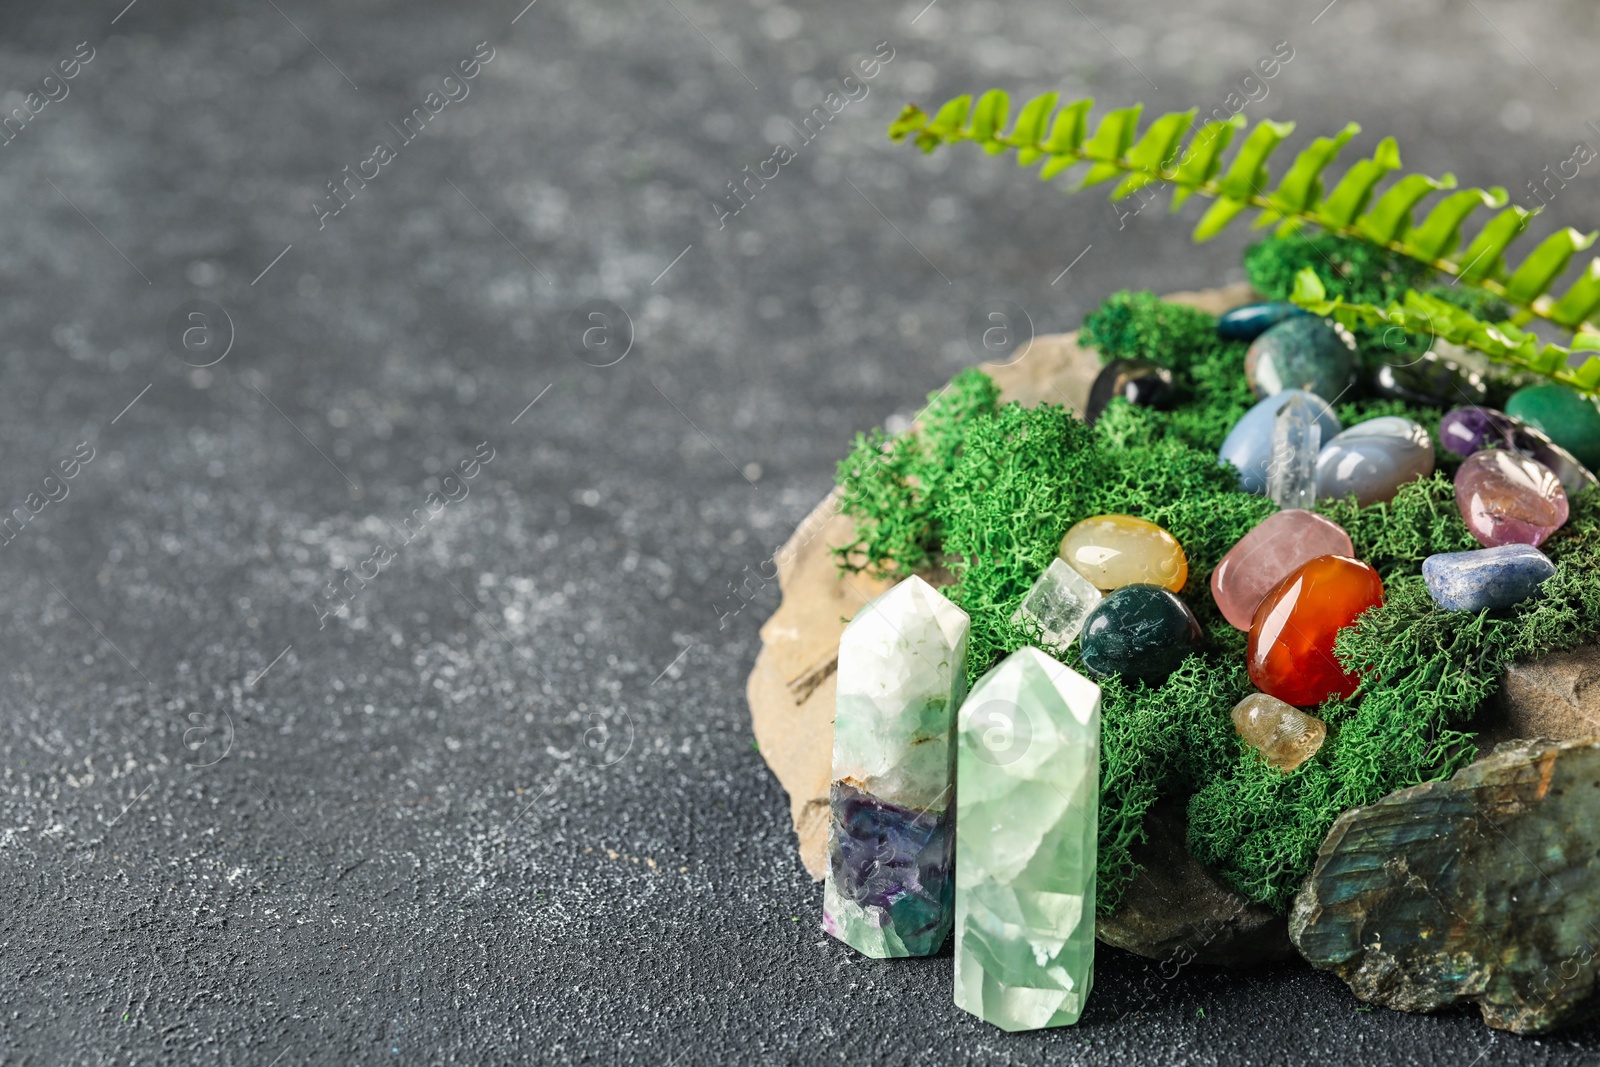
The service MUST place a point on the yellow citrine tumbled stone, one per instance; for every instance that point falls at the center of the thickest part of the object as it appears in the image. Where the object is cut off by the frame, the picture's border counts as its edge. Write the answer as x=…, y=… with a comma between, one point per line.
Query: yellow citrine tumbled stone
x=1117, y=550
x=1284, y=735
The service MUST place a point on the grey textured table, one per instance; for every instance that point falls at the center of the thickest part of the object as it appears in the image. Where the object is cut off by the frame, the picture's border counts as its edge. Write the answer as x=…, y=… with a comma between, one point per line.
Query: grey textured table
x=504, y=805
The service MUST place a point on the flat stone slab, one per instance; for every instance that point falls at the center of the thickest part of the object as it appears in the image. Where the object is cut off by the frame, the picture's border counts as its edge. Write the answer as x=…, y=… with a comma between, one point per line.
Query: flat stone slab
x=1483, y=890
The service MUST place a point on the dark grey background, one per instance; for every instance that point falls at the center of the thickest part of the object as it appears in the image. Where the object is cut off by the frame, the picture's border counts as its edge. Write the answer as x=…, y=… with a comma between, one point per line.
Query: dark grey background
x=508, y=808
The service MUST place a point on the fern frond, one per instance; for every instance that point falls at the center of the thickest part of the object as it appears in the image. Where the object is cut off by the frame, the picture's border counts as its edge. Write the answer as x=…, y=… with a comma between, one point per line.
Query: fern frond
x=1115, y=148
x=1503, y=342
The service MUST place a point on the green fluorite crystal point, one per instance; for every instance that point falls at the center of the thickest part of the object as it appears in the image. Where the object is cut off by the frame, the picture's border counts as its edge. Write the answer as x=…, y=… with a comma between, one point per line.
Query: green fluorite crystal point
x=901, y=677
x=1028, y=767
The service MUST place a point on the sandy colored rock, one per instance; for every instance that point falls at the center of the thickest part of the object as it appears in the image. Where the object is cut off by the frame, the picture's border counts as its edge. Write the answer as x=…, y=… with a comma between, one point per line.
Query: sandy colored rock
x=1555, y=697
x=790, y=689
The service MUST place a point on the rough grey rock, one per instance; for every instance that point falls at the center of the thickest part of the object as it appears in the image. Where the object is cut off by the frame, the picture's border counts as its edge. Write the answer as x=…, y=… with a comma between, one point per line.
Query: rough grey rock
x=1176, y=909
x=1555, y=697
x=1480, y=889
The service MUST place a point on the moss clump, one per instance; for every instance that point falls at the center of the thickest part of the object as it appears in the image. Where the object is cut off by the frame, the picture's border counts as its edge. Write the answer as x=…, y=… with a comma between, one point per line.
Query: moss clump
x=989, y=491
x=1351, y=269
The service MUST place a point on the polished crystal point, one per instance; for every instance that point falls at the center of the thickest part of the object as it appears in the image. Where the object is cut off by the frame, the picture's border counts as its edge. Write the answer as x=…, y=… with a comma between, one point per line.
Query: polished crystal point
x=1058, y=603
x=1296, y=442
x=1284, y=735
x=901, y=677
x=1028, y=763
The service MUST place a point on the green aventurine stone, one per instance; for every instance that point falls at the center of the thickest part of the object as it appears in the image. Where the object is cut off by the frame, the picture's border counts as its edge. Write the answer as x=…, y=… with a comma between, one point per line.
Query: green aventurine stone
x=1027, y=809
x=1565, y=415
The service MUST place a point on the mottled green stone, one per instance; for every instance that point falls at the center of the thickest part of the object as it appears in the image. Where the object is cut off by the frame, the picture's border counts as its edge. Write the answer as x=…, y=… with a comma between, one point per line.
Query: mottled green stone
x=1566, y=416
x=1480, y=889
x=1027, y=814
x=1138, y=632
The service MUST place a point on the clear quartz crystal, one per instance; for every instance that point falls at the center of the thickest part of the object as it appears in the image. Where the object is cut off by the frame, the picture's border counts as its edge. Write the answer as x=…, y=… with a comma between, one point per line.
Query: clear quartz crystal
x=1028, y=761
x=1058, y=603
x=1296, y=442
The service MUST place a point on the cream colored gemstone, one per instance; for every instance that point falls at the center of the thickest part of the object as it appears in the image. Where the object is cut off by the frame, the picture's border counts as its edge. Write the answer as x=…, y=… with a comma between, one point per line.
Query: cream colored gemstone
x=1117, y=550
x=1282, y=733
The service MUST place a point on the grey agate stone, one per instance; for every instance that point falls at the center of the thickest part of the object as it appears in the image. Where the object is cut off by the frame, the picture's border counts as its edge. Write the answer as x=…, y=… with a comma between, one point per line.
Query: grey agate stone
x=1249, y=444
x=1373, y=459
x=1302, y=353
x=1499, y=577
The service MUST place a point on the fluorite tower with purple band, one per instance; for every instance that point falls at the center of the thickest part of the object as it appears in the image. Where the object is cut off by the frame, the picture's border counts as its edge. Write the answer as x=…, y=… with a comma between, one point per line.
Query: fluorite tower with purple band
x=1026, y=843
x=891, y=845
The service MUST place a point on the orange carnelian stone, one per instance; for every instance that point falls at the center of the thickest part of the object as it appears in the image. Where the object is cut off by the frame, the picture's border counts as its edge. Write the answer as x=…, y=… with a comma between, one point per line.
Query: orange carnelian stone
x=1291, y=638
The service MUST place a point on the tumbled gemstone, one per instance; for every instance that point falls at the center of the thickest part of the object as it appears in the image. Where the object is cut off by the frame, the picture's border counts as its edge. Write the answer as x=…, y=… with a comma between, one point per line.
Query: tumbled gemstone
x=1373, y=459
x=1296, y=443
x=1057, y=604
x=1248, y=445
x=1252, y=320
x=901, y=677
x=1117, y=550
x=1301, y=353
x=1444, y=375
x=1140, y=382
x=1026, y=841
x=1569, y=418
x=1139, y=631
x=1509, y=499
x=1268, y=554
x=1282, y=733
x=1290, y=652
x=1493, y=578
x=1467, y=430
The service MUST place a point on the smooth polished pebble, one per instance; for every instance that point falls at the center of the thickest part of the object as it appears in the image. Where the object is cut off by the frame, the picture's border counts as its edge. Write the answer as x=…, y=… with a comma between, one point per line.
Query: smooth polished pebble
x=1248, y=445
x=1141, y=382
x=1252, y=320
x=1509, y=499
x=1278, y=546
x=1569, y=418
x=1282, y=733
x=1139, y=631
x=1373, y=459
x=1436, y=378
x=1493, y=578
x=1117, y=550
x=1290, y=651
x=1470, y=429
x=1301, y=353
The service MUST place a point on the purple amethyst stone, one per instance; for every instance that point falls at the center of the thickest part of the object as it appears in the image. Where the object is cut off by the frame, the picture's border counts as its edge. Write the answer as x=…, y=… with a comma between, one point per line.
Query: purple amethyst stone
x=1470, y=429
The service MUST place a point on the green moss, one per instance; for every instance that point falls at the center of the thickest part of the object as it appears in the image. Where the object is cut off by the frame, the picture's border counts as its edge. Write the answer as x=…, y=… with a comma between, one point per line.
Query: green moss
x=990, y=490
x=1351, y=270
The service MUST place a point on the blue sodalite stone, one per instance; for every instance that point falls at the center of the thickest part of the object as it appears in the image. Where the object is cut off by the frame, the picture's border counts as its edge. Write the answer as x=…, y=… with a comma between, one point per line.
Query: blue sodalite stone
x=1251, y=321
x=1249, y=444
x=1486, y=578
x=895, y=859
x=1302, y=353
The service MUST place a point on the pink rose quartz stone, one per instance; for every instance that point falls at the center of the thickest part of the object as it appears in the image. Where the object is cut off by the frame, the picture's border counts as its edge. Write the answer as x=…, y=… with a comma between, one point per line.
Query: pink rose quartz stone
x=1268, y=554
x=1509, y=499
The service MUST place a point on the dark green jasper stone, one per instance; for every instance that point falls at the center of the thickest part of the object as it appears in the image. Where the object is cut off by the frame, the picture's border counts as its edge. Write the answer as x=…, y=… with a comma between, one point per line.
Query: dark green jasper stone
x=1566, y=416
x=1433, y=379
x=1138, y=631
x=1301, y=353
x=1140, y=382
x=1251, y=321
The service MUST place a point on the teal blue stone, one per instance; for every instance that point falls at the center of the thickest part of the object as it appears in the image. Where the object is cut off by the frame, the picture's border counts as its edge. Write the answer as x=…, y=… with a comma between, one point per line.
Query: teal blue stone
x=1248, y=445
x=1493, y=578
x=1251, y=321
x=1138, y=632
x=1301, y=353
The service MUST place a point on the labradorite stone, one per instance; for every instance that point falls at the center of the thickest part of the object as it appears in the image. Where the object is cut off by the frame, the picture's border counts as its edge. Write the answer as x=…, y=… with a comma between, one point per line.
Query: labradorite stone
x=1140, y=382
x=1498, y=577
x=1251, y=321
x=1566, y=416
x=1480, y=889
x=1139, y=631
x=1434, y=379
x=1301, y=353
